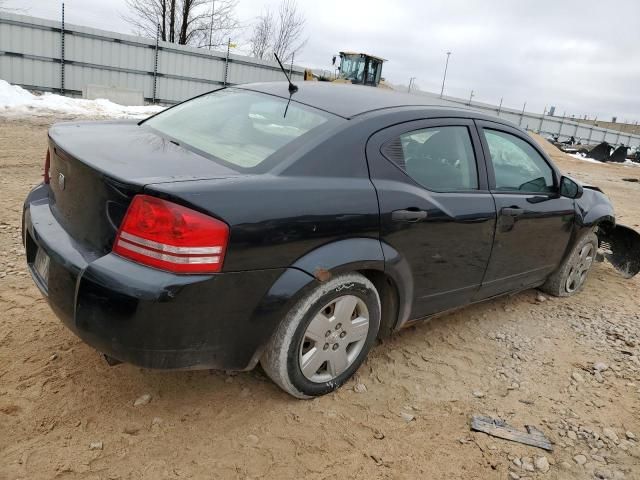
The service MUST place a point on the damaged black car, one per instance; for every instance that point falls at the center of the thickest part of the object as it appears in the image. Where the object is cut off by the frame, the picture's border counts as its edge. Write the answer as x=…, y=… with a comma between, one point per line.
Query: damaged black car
x=260, y=224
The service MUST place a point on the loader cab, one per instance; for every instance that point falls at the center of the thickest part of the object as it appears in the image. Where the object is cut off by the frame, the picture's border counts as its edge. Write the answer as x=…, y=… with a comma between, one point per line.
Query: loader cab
x=359, y=68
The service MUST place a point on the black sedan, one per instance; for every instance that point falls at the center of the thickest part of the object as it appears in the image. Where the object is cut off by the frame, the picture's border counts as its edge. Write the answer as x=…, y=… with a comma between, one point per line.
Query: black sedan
x=252, y=224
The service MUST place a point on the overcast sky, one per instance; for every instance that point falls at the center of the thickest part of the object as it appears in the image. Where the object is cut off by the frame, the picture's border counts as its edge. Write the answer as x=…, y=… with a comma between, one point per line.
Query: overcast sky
x=581, y=56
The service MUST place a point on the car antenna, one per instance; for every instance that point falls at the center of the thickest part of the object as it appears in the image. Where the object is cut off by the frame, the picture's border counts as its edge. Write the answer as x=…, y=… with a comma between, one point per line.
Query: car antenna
x=292, y=88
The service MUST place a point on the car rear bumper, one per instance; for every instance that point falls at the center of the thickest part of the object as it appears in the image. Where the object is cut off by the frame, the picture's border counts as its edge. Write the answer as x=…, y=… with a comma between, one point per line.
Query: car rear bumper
x=145, y=316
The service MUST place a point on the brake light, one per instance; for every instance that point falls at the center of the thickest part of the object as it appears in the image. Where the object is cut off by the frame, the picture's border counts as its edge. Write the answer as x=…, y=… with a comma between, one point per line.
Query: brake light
x=161, y=234
x=47, y=166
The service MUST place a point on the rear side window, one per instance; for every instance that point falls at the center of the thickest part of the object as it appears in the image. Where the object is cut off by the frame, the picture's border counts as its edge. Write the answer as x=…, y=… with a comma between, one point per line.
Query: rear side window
x=517, y=165
x=439, y=158
x=239, y=127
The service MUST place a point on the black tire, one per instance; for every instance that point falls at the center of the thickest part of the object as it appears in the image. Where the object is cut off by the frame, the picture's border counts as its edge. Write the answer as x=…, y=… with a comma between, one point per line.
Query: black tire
x=284, y=355
x=565, y=282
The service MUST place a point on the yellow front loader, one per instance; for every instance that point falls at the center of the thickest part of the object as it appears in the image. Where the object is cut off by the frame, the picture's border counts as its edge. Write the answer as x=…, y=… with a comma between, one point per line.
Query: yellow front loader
x=356, y=68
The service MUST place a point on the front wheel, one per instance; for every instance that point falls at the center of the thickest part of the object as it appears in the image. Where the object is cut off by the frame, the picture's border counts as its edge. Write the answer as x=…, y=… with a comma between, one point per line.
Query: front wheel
x=572, y=274
x=325, y=337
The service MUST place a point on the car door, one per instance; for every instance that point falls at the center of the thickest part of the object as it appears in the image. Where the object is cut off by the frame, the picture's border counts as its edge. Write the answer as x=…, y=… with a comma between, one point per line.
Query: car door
x=435, y=207
x=534, y=222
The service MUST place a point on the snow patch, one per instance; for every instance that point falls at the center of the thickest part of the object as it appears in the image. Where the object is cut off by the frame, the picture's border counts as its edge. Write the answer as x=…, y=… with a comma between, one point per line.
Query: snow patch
x=16, y=101
x=580, y=156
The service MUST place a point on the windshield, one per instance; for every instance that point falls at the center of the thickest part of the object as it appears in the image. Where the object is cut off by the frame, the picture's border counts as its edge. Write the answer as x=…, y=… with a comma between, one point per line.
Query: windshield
x=239, y=127
x=352, y=67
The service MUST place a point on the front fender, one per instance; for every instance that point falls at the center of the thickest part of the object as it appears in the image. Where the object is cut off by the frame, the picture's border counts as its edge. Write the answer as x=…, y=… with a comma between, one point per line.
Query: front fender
x=593, y=208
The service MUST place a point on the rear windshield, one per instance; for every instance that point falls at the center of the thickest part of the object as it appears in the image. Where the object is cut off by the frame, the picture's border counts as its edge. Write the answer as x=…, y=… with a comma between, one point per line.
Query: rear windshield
x=242, y=128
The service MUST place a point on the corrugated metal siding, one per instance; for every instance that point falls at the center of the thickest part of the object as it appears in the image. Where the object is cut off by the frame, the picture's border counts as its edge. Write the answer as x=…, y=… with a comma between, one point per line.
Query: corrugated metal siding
x=30, y=55
x=565, y=128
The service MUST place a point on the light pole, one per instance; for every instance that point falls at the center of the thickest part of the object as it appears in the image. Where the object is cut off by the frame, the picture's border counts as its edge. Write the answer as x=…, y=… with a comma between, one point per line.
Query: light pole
x=410, y=84
x=444, y=77
x=471, y=97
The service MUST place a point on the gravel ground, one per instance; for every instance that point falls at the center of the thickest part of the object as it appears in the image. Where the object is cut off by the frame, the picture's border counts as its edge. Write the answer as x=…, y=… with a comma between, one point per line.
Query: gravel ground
x=570, y=367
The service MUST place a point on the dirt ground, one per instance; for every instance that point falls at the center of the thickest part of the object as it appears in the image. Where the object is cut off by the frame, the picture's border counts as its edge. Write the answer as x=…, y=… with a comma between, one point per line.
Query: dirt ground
x=528, y=360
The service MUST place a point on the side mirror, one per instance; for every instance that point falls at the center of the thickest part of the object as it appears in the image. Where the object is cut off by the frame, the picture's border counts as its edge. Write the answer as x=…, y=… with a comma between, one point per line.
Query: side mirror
x=570, y=188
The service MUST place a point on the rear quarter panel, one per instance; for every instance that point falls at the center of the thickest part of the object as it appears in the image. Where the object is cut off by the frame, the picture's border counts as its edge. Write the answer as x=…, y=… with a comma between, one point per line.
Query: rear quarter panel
x=274, y=220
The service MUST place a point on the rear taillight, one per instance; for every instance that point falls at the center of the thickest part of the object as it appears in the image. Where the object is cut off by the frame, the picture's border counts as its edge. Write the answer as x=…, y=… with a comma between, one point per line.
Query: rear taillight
x=47, y=166
x=161, y=234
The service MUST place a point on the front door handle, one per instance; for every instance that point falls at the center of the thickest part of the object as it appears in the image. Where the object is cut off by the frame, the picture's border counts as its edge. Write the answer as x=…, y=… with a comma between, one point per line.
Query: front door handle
x=512, y=211
x=408, y=215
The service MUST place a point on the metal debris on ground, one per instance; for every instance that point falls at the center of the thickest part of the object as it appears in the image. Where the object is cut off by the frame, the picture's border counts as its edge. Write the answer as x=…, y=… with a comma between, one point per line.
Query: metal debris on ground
x=500, y=429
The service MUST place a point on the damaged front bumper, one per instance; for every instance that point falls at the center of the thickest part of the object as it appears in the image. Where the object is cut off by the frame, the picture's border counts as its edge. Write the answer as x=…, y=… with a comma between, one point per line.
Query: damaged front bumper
x=621, y=247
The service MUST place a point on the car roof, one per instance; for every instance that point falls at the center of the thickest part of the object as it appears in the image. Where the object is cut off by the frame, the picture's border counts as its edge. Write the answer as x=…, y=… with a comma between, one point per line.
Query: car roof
x=348, y=100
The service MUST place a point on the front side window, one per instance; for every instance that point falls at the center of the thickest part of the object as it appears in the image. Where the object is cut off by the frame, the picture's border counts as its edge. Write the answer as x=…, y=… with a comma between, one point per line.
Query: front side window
x=439, y=158
x=239, y=127
x=517, y=165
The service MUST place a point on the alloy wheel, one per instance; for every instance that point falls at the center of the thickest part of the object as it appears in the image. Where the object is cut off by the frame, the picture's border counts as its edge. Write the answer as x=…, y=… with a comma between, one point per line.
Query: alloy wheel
x=578, y=273
x=334, y=338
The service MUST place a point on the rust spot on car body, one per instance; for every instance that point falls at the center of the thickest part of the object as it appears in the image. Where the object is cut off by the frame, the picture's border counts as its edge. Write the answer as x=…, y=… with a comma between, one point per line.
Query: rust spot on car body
x=322, y=274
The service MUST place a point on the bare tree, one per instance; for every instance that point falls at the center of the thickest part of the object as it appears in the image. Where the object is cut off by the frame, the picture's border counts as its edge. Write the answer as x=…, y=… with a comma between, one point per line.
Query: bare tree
x=288, y=37
x=186, y=22
x=280, y=33
x=172, y=21
x=262, y=35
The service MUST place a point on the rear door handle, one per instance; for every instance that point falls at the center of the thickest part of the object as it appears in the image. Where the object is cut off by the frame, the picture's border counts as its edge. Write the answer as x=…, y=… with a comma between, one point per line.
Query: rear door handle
x=408, y=215
x=512, y=211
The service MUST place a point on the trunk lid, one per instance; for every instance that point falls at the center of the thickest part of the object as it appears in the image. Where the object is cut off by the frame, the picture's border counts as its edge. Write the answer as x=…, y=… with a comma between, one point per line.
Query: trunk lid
x=128, y=152
x=97, y=167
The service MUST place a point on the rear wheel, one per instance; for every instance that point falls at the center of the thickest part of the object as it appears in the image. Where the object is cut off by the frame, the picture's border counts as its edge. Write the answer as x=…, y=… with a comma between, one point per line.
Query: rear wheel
x=572, y=274
x=325, y=337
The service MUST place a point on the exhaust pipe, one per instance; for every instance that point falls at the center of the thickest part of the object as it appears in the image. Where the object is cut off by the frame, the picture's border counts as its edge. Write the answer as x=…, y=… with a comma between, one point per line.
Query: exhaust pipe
x=112, y=362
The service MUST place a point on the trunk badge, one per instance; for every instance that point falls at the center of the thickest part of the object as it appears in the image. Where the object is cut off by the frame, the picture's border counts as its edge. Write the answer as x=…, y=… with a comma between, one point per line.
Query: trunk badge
x=61, y=181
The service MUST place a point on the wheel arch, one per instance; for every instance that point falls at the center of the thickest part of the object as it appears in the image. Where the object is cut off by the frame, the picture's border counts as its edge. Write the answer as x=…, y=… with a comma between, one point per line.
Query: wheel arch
x=389, y=300
x=594, y=212
x=594, y=208
x=375, y=260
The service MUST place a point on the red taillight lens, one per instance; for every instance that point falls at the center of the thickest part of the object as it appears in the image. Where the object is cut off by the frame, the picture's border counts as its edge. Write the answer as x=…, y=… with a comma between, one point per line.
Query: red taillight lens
x=47, y=166
x=171, y=237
